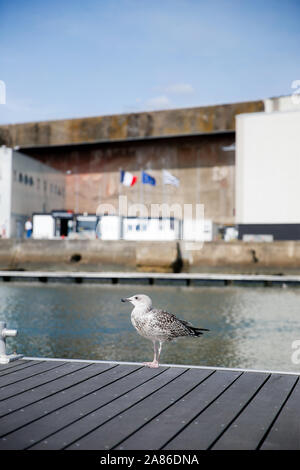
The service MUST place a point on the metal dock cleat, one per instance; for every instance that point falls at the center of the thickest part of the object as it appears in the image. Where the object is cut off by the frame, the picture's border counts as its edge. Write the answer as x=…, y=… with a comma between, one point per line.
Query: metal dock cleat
x=5, y=333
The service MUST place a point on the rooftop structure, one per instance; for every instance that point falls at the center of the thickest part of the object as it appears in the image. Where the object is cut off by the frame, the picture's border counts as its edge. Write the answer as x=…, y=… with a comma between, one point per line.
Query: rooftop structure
x=127, y=127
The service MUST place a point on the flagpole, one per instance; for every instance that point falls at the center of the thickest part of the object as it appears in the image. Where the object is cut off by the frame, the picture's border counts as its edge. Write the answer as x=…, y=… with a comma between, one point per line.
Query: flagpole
x=142, y=189
x=164, y=190
x=120, y=189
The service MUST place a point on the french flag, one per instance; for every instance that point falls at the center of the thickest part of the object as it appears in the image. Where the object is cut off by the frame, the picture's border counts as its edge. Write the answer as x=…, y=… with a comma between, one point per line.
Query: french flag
x=128, y=179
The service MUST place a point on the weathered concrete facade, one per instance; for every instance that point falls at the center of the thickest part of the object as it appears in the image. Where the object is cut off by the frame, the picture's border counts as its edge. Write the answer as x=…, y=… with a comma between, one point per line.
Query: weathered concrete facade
x=193, y=144
x=204, y=168
x=175, y=122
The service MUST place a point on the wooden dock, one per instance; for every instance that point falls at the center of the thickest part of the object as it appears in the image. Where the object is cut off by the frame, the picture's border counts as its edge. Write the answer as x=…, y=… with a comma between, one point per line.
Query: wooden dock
x=150, y=278
x=69, y=404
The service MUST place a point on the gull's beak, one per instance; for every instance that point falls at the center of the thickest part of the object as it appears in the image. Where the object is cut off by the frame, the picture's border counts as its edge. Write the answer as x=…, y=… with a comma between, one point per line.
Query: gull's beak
x=125, y=300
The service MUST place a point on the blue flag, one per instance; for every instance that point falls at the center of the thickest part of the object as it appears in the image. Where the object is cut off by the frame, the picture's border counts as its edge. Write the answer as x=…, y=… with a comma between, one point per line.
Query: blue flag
x=147, y=179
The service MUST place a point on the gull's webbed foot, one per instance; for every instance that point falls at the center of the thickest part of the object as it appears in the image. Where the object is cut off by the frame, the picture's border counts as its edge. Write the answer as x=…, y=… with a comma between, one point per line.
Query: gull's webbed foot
x=153, y=364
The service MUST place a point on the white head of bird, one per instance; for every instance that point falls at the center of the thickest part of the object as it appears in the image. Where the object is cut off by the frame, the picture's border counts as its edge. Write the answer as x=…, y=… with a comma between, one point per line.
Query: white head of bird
x=139, y=300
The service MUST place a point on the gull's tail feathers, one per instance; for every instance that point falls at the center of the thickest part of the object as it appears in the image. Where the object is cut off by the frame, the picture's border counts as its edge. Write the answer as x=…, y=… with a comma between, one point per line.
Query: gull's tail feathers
x=198, y=331
x=193, y=330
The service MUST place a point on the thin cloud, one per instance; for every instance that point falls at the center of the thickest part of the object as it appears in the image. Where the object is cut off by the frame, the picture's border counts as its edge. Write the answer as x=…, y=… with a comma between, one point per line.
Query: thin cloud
x=158, y=102
x=180, y=89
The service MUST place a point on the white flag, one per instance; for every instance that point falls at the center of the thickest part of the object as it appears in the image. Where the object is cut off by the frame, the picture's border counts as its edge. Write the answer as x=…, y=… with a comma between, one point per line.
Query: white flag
x=168, y=178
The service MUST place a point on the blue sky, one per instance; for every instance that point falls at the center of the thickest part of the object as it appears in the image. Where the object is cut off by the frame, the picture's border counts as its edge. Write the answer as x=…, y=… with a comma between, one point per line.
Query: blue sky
x=67, y=59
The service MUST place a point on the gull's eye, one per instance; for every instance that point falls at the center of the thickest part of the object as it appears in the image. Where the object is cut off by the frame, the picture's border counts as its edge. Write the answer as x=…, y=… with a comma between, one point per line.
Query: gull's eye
x=136, y=298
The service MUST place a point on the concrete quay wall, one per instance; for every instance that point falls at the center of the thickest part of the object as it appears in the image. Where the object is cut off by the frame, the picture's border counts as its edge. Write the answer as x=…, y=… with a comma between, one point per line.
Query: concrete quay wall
x=95, y=255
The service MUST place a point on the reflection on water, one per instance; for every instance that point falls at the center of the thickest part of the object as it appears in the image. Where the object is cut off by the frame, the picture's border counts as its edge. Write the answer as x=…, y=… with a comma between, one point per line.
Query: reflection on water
x=250, y=327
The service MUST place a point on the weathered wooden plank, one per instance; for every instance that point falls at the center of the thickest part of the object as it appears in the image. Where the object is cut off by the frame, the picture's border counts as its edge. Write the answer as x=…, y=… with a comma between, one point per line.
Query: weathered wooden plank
x=111, y=433
x=68, y=407
x=30, y=364
x=247, y=431
x=285, y=431
x=176, y=416
x=11, y=365
x=82, y=405
x=44, y=373
x=65, y=376
x=23, y=374
x=207, y=426
x=85, y=380
x=25, y=365
x=17, y=420
x=132, y=389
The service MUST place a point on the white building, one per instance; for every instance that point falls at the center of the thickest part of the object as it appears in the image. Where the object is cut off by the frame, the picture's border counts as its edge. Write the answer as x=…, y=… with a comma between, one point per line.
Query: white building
x=114, y=227
x=86, y=227
x=158, y=229
x=26, y=186
x=268, y=174
x=57, y=224
x=110, y=227
x=199, y=230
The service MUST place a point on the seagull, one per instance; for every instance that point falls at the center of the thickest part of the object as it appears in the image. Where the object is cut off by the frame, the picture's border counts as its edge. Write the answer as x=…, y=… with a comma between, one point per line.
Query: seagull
x=158, y=325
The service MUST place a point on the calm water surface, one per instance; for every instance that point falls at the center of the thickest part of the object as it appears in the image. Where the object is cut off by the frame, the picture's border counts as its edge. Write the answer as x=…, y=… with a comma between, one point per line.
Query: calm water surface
x=250, y=327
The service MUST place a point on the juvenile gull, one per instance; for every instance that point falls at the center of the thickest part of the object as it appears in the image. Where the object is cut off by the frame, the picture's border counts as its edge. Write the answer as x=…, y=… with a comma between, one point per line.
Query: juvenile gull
x=158, y=325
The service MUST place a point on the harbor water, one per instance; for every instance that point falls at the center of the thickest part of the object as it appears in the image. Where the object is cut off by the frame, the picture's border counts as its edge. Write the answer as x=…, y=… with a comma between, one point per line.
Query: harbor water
x=250, y=327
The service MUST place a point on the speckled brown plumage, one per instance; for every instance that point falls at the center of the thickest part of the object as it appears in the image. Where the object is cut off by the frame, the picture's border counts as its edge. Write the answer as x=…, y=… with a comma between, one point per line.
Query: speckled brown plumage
x=158, y=325
x=170, y=326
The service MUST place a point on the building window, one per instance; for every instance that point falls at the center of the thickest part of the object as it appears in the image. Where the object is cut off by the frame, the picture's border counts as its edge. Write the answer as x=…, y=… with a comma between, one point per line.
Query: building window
x=20, y=178
x=26, y=179
x=31, y=181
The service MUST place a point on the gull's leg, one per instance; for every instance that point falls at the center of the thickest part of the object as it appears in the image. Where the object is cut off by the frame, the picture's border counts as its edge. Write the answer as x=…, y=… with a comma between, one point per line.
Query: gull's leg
x=154, y=363
x=159, y=350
